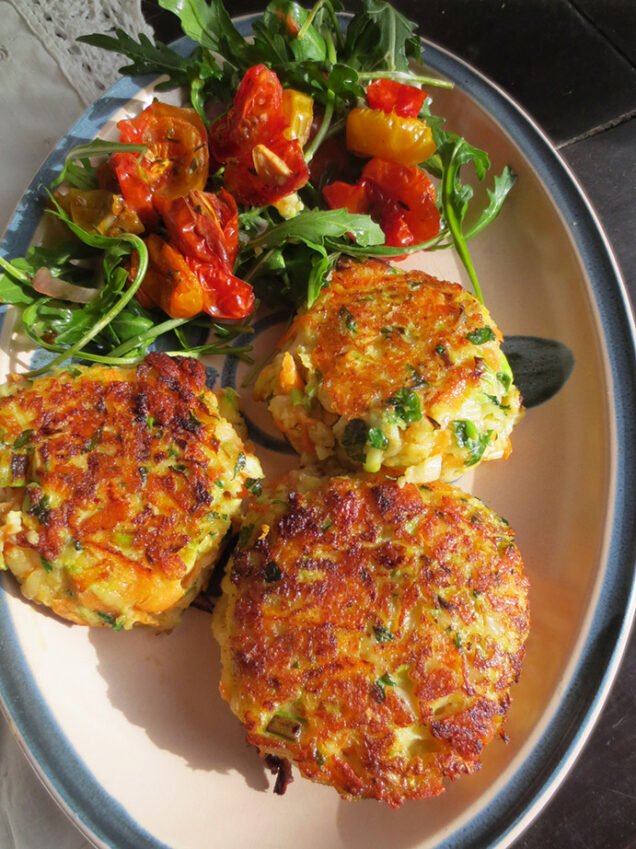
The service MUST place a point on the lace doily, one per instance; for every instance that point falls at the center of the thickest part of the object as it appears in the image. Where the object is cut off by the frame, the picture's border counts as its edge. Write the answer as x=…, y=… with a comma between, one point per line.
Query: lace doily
x=57, y=24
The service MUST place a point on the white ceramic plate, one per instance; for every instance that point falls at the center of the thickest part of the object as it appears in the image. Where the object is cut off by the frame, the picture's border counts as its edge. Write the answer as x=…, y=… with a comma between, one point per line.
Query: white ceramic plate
x=127, y=729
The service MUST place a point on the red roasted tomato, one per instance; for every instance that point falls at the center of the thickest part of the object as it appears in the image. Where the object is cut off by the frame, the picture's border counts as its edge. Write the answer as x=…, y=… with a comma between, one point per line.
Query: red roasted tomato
x=175, y=163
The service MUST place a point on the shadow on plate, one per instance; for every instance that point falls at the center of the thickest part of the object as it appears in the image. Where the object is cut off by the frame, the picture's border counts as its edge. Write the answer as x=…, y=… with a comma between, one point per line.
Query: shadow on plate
x=167, y=684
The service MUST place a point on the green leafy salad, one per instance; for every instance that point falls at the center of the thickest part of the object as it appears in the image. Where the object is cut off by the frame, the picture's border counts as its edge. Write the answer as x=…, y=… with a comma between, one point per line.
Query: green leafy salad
x=315, y=138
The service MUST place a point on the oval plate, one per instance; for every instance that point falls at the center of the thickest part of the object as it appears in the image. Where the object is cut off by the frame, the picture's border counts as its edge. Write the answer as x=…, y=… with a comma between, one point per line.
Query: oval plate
x=127, y=730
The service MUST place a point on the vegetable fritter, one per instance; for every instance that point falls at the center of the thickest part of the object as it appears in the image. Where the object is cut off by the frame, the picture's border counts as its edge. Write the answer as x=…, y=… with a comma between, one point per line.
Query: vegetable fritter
x=120, y=484
x=393, y=368
x=370, y=632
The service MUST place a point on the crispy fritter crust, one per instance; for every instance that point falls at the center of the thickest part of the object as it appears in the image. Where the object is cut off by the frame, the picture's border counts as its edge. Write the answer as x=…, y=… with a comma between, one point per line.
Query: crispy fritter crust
x=393, y=368
x=370, y=632
x=122, y=483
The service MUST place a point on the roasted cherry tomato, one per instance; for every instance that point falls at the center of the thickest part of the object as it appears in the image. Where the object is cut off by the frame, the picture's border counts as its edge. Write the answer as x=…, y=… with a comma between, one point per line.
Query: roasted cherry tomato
x=175, y=163
x=400, y=199
x=298, y=109
x=169, y=283
x=411, y=189
x=372, y=132
x=203, y=225
x=354, y=199
x=272, y=172
x=391, y=96
x=100, y=211
x=184, y=287
x=225, y=296
x=262, y=164
x=256, y=116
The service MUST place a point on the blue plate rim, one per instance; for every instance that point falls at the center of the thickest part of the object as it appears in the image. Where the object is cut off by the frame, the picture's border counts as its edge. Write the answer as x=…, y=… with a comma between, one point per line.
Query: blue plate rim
x=104, y=820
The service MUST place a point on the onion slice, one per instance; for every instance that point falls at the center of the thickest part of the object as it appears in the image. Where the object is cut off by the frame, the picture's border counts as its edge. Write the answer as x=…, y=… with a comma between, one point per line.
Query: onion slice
x=46, y=284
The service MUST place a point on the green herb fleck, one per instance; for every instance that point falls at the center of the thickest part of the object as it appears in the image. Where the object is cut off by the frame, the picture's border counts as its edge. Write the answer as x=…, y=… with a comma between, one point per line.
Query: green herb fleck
x=41, y=509
x=377, y=439
x=505, y=379
x=441, y=350
x=94, y=441
x=481, y=335
x=382, y=634
x=111, y=620
x=23, y=439
x=407, y=405
x=417, y=381
x=240, y=463
x=468, y=437
x=254, y=485
x=244, y=535
x=347, y=321
x=272, y=572
x=46, y=564
x=497, y=402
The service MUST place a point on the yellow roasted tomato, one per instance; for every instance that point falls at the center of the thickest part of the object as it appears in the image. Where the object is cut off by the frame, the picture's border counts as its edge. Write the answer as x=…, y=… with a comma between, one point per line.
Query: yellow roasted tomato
x=387, y=135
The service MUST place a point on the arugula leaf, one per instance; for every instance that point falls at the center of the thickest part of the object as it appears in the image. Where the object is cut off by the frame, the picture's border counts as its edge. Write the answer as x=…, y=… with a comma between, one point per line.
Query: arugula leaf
x=322, y=80
x=321, y=266
x=314, y=226
x=503, y=183
x=454, y=196
x=200, y=73
x=380, y=38
x=15, y=283
x=146, y=57
x=277, y=34
x=79, y=172
x=209, y=24
x=90, y=320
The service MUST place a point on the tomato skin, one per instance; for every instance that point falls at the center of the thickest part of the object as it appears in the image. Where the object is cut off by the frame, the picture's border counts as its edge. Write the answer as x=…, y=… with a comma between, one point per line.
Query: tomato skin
x=261, y=189
x=339, y=195
x=392, y=96
x=386, y=135
x=401, y=199
x=184, y=287
x=255, y=117
x=176, y=162
x=169, y=283
x=203, y=225
x=262, y=164
x=410, y=187
x=298, y=109
x=224, y=295
x=397, y=232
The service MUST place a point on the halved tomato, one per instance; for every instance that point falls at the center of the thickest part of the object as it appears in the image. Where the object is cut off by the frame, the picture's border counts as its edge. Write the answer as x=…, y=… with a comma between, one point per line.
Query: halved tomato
x=175, y=163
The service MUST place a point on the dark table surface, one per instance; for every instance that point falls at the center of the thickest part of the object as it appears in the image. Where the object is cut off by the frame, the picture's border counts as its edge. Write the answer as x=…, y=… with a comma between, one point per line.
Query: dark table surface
x=572, y=66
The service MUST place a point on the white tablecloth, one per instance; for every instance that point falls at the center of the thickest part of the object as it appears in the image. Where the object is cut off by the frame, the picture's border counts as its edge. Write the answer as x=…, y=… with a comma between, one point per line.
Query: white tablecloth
x=38, y=104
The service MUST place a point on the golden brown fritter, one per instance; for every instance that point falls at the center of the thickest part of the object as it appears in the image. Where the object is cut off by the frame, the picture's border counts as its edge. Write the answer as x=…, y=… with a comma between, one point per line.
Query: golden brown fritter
x=393, y=368
x=121, y=483
x=370, y=632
